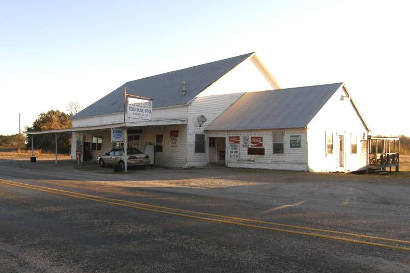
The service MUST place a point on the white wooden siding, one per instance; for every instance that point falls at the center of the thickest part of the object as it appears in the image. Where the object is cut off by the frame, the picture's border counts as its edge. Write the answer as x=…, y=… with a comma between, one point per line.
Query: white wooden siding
x=291, y=159
x=211, y=107
x=339, y=118
x=172, y=155
x=243, y=78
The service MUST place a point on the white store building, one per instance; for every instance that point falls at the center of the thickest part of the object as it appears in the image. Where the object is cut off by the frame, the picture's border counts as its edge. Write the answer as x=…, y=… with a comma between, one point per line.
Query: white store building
x=218, y=113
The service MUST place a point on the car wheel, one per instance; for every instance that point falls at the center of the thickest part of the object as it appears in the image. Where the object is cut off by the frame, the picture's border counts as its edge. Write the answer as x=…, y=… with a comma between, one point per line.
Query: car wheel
x=102, y=164
x=121, y=165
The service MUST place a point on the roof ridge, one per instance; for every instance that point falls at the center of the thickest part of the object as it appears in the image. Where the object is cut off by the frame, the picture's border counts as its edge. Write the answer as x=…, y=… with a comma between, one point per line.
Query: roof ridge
x=190, y=67
x=296, y=87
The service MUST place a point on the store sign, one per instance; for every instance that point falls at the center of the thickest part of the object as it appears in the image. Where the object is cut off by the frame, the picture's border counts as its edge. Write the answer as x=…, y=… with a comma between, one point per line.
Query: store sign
x=116, y=135
x=139, y=109
x=256, y=142
x=234, y=140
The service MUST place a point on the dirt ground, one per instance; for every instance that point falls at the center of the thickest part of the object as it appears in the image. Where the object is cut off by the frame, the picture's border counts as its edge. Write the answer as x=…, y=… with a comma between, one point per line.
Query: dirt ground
x=405, y=163
x=25, y=155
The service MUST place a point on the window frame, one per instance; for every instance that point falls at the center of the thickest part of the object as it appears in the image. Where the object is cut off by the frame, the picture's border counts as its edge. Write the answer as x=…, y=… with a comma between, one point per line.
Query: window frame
x=275, y=142
x=97, y=144
x=353, y=146
x=328, y=134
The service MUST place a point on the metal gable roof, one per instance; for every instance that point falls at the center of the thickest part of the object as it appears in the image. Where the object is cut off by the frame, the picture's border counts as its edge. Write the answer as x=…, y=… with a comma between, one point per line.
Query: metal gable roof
x=276, y=109
x=165, y=89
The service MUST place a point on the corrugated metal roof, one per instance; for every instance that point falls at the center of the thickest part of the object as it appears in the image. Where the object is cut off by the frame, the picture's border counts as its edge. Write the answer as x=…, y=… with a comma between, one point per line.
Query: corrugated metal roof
x=284, y=108
x=165, y=89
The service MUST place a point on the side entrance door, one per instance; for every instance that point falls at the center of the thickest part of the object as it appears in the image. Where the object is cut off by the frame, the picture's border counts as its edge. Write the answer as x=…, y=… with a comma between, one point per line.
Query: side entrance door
x=341, y=151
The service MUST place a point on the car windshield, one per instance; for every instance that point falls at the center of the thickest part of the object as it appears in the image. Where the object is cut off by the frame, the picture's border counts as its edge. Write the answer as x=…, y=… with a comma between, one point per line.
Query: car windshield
x=118, y=153
x=133, y=151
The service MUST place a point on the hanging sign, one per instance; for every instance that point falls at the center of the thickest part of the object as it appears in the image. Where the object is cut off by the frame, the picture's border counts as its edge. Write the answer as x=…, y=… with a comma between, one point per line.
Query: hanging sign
x=139, y=109
x=256, y=142
x=116, y=135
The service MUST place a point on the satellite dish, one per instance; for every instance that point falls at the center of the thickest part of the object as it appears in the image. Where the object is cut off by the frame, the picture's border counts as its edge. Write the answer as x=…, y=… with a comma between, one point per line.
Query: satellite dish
x=201, y=120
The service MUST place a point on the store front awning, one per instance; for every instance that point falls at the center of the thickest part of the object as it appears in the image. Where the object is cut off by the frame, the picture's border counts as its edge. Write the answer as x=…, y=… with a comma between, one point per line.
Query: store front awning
x=160, y=122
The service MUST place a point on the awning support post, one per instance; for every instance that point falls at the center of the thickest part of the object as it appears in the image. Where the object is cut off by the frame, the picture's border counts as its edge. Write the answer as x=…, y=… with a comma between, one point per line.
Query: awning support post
x=125, y=150
x=56, y=149
x=32, y=145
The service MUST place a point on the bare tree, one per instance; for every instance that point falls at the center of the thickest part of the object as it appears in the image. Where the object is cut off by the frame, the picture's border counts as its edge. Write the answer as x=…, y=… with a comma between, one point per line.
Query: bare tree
x=73, y=108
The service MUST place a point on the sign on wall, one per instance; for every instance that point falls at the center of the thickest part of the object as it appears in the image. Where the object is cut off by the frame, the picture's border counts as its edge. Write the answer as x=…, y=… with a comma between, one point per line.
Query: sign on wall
x=116, y=135
x=139, y=109
x=234, y=142
x=256, y=142
x=295, y=141
x=173, y=135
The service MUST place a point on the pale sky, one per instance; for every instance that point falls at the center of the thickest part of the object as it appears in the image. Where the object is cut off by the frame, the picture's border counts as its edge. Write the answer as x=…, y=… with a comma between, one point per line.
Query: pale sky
x=55, y=52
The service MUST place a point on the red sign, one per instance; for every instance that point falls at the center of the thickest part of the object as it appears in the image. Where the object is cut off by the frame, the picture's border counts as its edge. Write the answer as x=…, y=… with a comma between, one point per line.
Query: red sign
x=173, y=133
x=234, y=140
x=256, y=141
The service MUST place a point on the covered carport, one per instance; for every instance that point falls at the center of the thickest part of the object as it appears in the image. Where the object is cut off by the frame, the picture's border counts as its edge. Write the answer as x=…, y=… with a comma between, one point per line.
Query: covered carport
x=79, y=155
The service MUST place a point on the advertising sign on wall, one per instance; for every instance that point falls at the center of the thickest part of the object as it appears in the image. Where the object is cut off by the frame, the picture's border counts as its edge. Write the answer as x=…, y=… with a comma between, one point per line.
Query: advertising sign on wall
x=139, y=109
x=256, y=142
x=173, y=134
x=295, y=141
x=234, y=140
x=116, y=135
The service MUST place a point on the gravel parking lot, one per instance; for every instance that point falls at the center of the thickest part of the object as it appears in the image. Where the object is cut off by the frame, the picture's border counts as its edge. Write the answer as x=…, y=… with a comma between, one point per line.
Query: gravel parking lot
x=185, y=220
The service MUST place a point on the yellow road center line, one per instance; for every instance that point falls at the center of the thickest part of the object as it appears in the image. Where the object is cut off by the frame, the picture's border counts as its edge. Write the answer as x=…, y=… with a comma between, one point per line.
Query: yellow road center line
x=363, y=236
x=165, y=210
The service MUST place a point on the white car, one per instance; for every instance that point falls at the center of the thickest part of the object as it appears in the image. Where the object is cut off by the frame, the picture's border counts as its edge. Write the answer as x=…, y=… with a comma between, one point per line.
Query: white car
x=116, y=158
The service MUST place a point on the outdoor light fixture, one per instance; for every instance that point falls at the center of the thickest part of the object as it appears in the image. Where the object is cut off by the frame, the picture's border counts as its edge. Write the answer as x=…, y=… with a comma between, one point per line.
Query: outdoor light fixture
x=201, y=120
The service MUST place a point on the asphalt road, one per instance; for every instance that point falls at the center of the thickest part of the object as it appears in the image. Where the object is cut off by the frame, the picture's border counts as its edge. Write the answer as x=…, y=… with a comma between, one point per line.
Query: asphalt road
x=60, y=219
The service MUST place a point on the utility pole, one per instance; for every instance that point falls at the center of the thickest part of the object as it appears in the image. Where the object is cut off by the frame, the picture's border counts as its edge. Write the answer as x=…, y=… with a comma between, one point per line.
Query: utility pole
x=19, y=123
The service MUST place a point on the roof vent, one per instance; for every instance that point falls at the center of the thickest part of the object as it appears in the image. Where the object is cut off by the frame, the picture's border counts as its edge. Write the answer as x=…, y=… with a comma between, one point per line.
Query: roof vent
x=183, y=89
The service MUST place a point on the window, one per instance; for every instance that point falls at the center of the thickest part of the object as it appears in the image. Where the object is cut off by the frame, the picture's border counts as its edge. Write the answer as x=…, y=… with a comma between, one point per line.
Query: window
x=199, y=143
x=133, y=140
x=353, y=142
x=96, y=143
x=278, y=142
x=295, y=141
x=158, y=143
x=329, y=143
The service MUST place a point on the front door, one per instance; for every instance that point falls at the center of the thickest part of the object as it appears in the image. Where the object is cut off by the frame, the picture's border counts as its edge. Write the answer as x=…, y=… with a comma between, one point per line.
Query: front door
x=341, y=152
